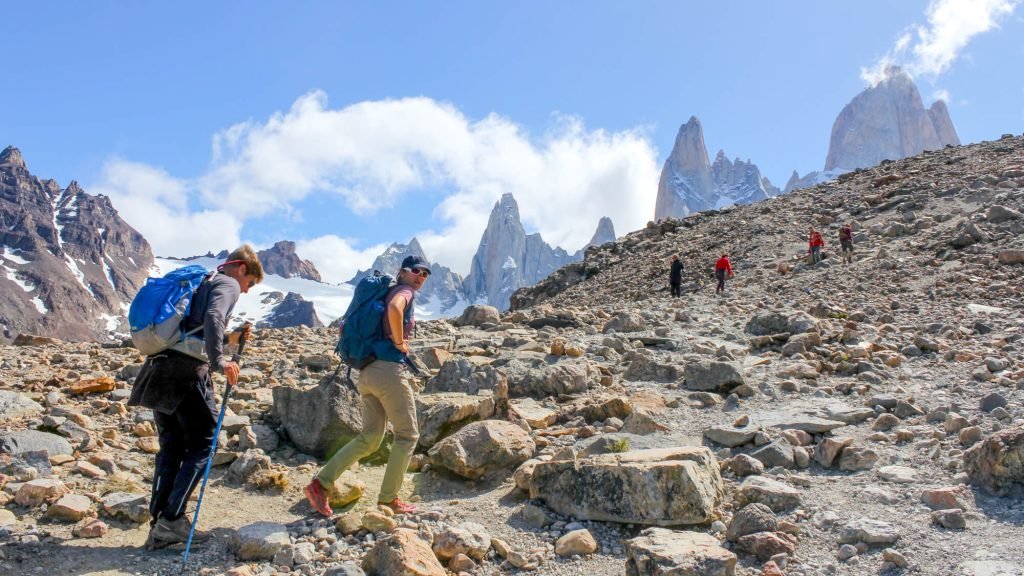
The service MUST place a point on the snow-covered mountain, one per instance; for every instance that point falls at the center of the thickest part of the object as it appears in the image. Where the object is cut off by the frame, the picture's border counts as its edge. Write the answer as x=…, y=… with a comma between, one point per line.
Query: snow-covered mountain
x=691, y=183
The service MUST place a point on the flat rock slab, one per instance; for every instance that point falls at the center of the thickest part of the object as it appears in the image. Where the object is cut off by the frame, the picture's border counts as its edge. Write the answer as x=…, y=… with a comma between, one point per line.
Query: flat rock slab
x=259, y=541
x=771, y=493
x=811, y=424
x=898, y=474
x=33, y=441
x=661, y=552
x=868, y=531
x=536, y=415
x=443, y=413
x=14, y=406
x=731, y=436
x=660, y=487
x=127, y=506
x=848, y=414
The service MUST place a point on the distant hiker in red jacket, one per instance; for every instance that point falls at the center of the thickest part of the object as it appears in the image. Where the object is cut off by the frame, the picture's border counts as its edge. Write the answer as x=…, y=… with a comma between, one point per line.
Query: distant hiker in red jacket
x=846, y=241
x=816, y=243
x=722, y=268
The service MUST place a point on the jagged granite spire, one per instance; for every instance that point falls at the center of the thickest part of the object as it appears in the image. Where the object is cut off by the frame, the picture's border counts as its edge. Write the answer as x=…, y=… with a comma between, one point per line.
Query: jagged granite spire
x=887, y=122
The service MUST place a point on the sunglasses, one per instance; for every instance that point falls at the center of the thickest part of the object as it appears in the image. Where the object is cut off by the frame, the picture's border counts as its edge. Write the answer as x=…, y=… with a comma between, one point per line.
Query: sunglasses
x=421, y=273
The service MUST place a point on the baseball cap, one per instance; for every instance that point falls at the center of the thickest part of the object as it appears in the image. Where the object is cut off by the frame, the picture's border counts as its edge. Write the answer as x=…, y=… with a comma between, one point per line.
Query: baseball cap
x=414, y=262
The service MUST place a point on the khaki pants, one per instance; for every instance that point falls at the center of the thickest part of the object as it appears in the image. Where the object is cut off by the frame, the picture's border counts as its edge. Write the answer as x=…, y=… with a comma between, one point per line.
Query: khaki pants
x=386, y=393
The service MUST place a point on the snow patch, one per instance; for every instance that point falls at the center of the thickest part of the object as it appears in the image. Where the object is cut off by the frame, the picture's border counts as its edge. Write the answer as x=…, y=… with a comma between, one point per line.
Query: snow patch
x=39, y=305
x=12, y=256
x=109, y=272
x=510, y=264
x=73, y=266
x=112, y=321
x=12, y=275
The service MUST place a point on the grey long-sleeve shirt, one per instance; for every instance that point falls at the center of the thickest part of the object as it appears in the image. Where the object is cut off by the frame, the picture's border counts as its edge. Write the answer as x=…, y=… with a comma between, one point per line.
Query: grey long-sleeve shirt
x=212, y=305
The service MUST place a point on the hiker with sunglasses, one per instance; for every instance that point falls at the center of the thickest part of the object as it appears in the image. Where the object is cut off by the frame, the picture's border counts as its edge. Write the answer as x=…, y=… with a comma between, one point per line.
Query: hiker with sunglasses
x=386, y=391
x=175, y=383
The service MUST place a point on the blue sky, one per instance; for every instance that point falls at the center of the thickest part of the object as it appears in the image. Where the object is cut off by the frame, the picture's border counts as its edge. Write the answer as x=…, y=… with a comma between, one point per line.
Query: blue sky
x=345, y=126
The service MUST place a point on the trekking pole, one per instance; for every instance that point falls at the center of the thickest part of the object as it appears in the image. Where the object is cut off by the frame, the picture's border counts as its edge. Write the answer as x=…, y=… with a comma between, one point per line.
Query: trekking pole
x=213, y=450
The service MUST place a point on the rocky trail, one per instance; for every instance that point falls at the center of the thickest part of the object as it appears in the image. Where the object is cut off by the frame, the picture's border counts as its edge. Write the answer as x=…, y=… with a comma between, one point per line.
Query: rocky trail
x=814, y=420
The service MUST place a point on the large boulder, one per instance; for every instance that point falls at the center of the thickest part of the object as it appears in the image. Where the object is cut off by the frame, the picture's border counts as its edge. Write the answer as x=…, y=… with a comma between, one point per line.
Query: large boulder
x=462, y=375
x=712, y=376
x=625, y=322
x=661, y=552
x=477, y=315
x=542, y=377
x=647, y=369
x=14, y=406
x=320, y=418
x=660, y=487
x=441, y=414
x=776, y=322
x=771, y=493
x=484, y=447
x=996, y=464
x=259, y=541
x=22, y=441
x=403, y=552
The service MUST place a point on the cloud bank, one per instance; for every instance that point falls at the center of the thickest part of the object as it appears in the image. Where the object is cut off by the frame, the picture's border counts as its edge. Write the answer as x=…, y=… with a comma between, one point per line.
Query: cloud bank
x=930, y=49
x=372, y=154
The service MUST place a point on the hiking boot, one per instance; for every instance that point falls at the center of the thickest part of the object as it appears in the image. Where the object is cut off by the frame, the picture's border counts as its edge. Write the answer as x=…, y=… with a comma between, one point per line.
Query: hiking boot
x=316, y=495
x=400, y=507
x=166, y=532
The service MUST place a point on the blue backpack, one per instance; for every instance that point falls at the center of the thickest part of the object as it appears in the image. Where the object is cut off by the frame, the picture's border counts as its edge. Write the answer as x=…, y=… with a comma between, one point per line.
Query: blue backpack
x=361, y=326
x=155, y=315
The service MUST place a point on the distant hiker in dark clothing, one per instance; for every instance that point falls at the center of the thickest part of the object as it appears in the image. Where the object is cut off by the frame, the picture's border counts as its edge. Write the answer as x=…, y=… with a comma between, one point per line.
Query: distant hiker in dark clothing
x=176, y=385
x=675, y=276
x=846, y=241
x=816, y=243
x=723, y=268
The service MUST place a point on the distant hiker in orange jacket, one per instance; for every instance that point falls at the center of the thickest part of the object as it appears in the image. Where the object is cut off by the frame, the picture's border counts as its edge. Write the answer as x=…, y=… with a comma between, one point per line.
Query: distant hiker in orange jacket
x=846, y=241
x=816, y=243
x=723, y=268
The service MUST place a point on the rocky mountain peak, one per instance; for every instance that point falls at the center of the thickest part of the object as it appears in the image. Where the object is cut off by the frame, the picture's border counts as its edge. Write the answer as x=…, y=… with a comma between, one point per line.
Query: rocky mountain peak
x=605, y=232
x=71, y=264
x=283, y=261
x=11, y=157
x=888, y=121
x=690, y=183
x=507, y=258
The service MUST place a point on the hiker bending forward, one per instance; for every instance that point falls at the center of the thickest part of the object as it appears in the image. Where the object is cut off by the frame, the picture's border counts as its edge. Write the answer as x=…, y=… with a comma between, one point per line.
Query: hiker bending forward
x=386, y=391
x=176, y=385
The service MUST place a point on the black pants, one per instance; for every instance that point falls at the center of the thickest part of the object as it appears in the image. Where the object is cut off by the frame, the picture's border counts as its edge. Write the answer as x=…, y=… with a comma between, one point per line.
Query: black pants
x=185, y=439
x=675, y=288
x=720, y=274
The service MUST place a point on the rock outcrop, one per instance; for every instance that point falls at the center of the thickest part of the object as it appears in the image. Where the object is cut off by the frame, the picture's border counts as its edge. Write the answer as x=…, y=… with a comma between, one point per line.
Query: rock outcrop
x=445, y=287
x=293, y=310
x=691, y=183
x=70, y=264
x=888, y=122
x=282, y=260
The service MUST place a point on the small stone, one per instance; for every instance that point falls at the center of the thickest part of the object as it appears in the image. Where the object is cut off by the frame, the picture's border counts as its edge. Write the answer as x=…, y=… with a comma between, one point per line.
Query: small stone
x=377, y=522
x=71, y=507
x=897, y=559
x=349, y=523
x=898, y=474
x=846, y=552
x=992, y=401
x=953, y=519
x=885, y=422
x=970, y=436
x=578, y=542
x=90, y=528
x=941, y=498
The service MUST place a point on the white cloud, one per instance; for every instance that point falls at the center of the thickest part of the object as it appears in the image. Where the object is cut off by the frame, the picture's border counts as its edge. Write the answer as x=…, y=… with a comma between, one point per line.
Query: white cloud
x=337, y=259
x=157, y=205
x=371, y=154
x=930, y=50
x=941, y=94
